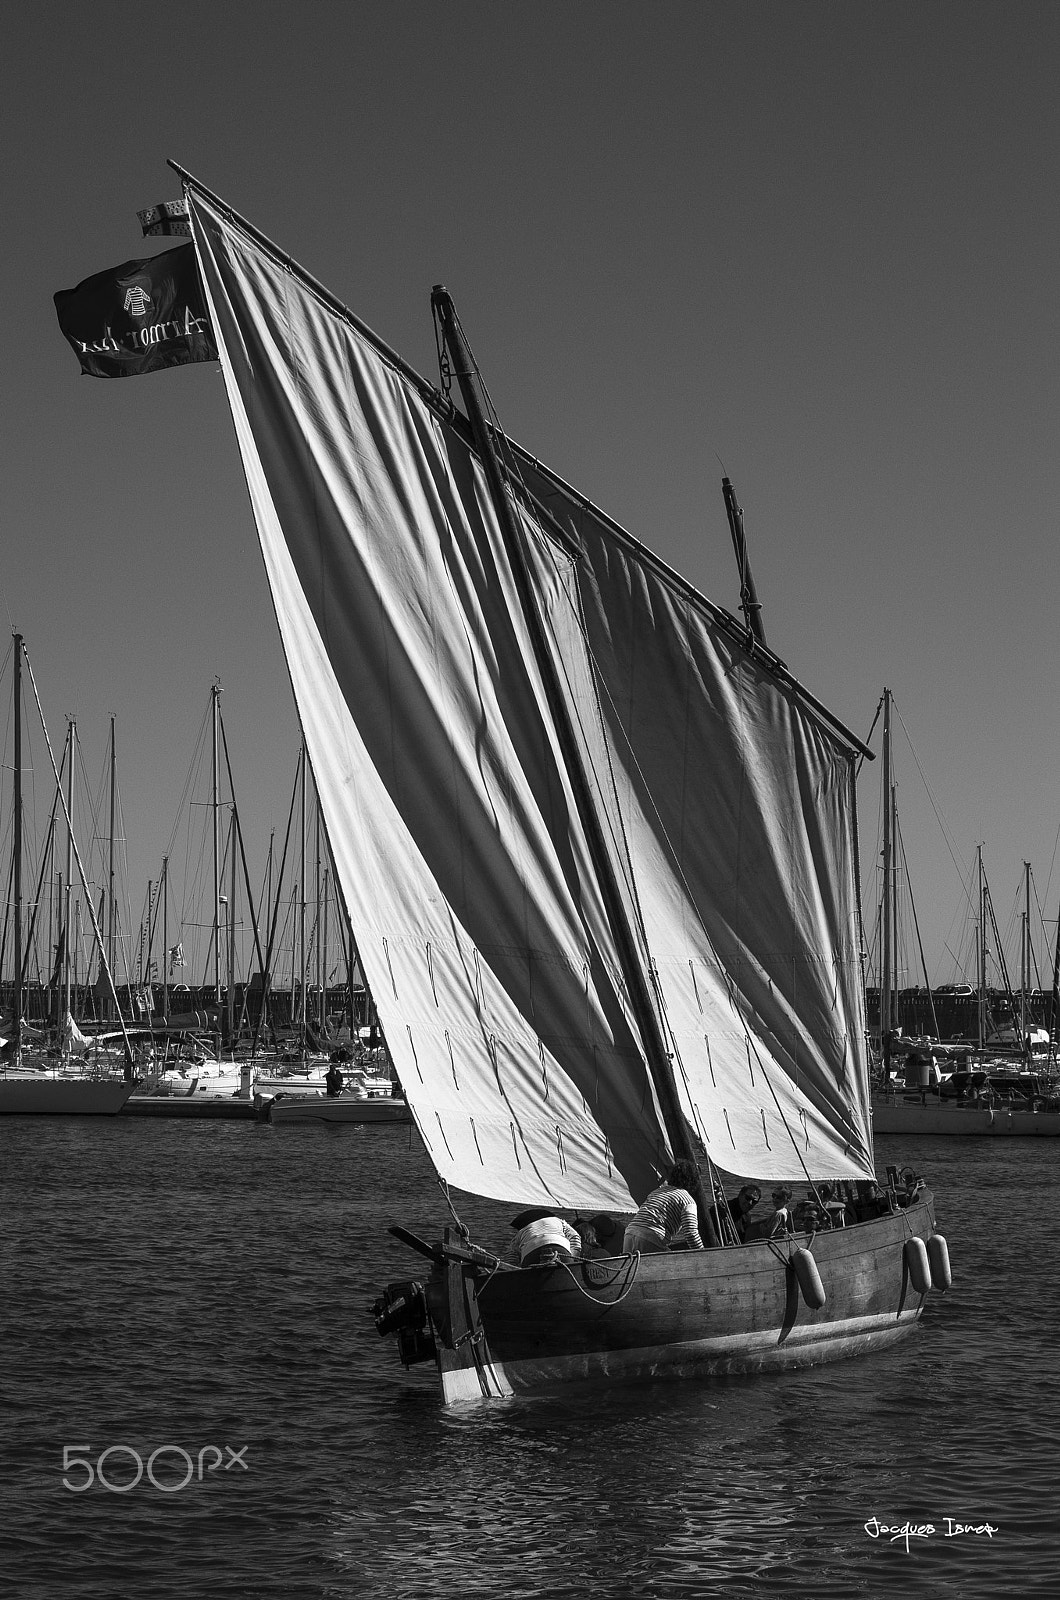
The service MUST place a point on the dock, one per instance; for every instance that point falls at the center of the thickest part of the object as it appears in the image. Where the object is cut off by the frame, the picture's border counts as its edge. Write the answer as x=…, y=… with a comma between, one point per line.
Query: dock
x=220, y=1108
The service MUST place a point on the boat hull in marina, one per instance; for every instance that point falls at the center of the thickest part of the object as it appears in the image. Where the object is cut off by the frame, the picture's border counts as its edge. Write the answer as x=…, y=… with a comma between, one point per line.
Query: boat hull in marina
x=947, y=1118
x=37, y=1094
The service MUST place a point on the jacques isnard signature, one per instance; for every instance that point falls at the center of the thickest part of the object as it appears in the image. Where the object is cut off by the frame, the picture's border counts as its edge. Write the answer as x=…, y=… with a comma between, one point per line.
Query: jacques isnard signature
x=908, y=1531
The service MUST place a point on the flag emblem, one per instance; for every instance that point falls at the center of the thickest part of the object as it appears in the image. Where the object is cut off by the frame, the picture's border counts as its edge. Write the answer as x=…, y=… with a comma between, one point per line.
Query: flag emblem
x=137, y=300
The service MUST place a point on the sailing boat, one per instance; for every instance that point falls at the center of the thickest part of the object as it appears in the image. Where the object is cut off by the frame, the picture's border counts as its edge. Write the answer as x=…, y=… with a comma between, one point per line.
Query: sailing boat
x=596, y=848
x=986, y=1096
x=28, y=1088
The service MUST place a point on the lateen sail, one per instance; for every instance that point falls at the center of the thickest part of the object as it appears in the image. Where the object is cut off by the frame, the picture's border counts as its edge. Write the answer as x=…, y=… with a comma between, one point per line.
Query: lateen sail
x=461, y=858
x=734, y=801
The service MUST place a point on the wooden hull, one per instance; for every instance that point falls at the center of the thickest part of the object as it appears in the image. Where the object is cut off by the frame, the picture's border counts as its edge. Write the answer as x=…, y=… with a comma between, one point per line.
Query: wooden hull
x=683, y=1314
x=39, y=1095
x=947, y=1118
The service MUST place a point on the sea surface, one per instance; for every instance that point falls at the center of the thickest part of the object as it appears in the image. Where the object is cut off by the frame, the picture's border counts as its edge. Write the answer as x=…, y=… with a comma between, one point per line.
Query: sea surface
x=183, y=1312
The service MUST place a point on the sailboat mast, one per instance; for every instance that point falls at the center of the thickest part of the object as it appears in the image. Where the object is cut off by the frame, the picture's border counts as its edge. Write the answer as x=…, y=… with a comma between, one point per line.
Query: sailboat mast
x=230, y=1007
x=982, y=952
x=324, y=948
x=1025, y=955
x=303, y=1010
x=214, y=692
x=165, y=937
x=656, y=1054
x=112, y=904
x=317, y=952
x=17, y=846
x=749, y=601
x=886, y=977
x=66, y=931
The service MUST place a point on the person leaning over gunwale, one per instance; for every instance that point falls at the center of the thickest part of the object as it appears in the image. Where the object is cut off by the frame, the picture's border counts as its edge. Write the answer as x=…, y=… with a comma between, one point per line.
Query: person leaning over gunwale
x=543, y=1240
x=668, y=1214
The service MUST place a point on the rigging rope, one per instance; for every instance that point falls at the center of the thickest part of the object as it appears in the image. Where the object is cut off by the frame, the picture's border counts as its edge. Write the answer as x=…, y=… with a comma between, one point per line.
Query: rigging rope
x=444, y=1187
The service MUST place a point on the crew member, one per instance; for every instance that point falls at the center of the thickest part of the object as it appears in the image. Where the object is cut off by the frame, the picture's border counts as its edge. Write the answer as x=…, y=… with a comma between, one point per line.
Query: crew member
x=667, y=1215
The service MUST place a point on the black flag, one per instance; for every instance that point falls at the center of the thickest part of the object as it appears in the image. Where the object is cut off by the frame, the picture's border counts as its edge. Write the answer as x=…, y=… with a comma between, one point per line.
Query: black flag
x=139, y=317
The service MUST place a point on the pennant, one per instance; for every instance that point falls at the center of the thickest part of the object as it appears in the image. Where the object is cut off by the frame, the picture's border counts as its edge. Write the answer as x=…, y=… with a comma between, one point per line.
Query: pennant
x=169, y=217
x=176, y=956
x=139, y=317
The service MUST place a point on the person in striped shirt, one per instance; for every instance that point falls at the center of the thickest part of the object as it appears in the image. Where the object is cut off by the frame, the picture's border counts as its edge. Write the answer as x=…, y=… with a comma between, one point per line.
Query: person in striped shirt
x=667, y=1215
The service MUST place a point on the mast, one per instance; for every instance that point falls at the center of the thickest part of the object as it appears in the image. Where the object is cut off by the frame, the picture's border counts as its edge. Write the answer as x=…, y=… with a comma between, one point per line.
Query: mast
x=981, y=1008
x=318, y=952
x=112, y=904
x=165, y=938
x=324, y=958
x=66, y=929
x=1025, y=959
x=17, y=847
x=886, y=976
x=214, y=693
x=749, y=602
x=230, y=1008
x=657, y=1056
x=302, y=1009
x=1054, y=996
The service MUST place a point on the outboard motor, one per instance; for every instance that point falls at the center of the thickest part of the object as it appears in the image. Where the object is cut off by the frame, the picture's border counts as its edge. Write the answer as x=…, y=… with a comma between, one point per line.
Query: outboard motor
x=402, y=1310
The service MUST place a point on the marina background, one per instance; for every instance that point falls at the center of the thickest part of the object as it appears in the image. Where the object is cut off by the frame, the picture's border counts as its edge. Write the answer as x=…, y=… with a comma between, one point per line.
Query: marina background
x=810, y=246
x=197, y=1285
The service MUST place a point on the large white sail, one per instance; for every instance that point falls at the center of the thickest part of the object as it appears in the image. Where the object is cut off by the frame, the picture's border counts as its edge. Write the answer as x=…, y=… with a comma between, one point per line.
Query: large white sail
x=733, y=802
x=455, y=837
x=461, y=859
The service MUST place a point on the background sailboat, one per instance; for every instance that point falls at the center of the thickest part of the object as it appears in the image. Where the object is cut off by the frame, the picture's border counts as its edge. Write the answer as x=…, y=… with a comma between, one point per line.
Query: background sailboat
x=37, y=1086
x=930, y=1087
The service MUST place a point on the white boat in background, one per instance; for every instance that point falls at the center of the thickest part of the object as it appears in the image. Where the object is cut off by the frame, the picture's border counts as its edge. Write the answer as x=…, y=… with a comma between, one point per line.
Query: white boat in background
x=984, y=1100
x=363, y=1081
x=43, y=1087
x=26, y=1093
x=937, y=1118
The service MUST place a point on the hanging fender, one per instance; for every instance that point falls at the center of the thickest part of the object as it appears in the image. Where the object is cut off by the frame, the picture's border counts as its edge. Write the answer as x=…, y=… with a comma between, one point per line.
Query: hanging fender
x=918, y=1265
x=809, y=1278
x=939, y=1261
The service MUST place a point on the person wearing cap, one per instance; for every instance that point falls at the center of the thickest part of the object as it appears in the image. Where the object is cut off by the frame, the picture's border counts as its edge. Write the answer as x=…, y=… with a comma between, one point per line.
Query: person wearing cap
x=543, y=1239
x=667, y=1215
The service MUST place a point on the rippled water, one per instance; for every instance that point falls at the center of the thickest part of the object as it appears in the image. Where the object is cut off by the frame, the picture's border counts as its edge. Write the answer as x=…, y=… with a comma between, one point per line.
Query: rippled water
x=203, y=1287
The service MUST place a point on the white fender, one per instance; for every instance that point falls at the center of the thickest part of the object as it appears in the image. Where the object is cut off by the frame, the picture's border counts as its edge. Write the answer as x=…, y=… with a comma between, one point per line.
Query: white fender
x=809, y=1278
x=916, y=1259
x=939, y=1262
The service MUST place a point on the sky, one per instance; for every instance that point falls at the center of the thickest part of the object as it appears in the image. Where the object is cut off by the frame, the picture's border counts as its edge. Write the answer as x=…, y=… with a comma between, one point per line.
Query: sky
x=812, y=246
